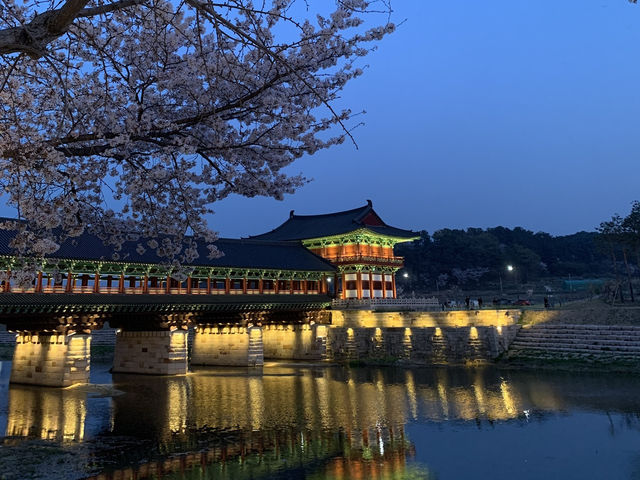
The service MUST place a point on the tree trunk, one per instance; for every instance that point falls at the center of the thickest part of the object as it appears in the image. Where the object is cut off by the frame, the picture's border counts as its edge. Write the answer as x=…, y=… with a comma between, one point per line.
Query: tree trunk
x=626, y=264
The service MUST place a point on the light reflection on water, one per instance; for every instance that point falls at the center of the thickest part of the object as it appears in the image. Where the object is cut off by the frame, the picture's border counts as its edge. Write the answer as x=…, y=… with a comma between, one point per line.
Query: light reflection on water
x=284, y=422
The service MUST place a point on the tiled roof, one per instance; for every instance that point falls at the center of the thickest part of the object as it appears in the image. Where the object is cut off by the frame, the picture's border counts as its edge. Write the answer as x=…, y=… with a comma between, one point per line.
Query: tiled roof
x=301, y=227
x=237, y=253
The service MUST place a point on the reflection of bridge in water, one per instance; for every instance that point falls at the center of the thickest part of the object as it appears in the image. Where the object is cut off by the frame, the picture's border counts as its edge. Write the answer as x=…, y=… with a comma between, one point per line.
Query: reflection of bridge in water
x=332, y=419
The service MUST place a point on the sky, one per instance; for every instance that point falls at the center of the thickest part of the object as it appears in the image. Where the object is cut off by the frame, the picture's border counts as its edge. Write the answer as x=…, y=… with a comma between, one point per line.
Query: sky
x=503, y=112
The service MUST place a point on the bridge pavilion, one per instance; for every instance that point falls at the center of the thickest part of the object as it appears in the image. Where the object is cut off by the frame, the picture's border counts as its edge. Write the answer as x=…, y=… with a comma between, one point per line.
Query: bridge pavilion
x=266, y=296
x=358, y=242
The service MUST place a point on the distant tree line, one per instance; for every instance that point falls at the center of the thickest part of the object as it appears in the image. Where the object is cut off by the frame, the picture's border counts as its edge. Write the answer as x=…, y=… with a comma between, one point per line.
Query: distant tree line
x=478, y=258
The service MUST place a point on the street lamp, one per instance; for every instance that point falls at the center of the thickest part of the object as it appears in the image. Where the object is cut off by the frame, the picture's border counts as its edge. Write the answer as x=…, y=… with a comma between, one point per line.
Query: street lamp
x=509, y=269
x=405, y=275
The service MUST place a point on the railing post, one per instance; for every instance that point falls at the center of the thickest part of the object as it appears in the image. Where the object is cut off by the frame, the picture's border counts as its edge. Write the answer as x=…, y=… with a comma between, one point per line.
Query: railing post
x=70, y=282
x=39, y=283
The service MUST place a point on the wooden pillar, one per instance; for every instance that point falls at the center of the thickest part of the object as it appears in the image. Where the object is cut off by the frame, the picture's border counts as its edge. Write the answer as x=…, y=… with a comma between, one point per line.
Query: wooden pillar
x=7, y=283
x=276, y=286
x=168, y=285
x=96, y=283
x=343, y=293
x=39, y=283
x=227, y=285
x=121, y=283
x=291, y=286
x=321, y=284
x=370, y=284
x=260, y=286
x=70, y=282
x=208, y=285
x=359, y=284
x=305, y=286
x=393, y=283
x=145, y=285
x=244, y=286
x=189, y=284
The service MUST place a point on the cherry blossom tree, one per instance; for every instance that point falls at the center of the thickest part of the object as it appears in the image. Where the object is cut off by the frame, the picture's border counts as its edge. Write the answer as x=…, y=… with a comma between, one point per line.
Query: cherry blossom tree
x=130, y=118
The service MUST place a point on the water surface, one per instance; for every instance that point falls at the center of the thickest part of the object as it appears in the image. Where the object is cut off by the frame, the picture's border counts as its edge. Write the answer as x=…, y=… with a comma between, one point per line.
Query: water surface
x=325, y=423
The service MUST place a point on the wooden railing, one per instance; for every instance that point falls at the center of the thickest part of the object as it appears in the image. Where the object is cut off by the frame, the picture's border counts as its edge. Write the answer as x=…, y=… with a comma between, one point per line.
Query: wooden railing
x=117, y=288
x=396, y=261
x=423, y=304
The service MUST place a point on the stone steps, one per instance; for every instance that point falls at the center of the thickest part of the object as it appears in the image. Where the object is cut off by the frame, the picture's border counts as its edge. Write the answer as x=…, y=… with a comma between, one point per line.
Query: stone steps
x=598, y=341
x=579, y=339
x=561, y=326
x=589, y=335
x=635, y=350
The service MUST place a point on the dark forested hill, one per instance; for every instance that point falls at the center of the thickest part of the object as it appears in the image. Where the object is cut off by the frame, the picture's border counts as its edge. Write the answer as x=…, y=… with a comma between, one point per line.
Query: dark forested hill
x=475, y=257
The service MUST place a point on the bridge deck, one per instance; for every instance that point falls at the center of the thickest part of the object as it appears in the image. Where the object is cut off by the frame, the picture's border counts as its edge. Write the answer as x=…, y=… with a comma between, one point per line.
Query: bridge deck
x=34, y=303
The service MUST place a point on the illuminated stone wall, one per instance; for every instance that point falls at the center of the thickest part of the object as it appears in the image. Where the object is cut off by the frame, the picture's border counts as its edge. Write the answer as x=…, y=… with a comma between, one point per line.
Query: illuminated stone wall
x=237, y=346
x=421, y=337
x=455, y=318
x=51, y=360
x=152, y=352
x=294, y=342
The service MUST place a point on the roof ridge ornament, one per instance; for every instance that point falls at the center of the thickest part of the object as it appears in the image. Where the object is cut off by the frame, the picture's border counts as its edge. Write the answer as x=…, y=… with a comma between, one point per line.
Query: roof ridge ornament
x=369, y=202
x=291, y=213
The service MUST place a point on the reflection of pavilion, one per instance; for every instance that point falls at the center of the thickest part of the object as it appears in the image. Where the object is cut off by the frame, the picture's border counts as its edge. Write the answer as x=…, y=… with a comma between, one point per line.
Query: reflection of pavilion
x=351, y=422
x=346, y=423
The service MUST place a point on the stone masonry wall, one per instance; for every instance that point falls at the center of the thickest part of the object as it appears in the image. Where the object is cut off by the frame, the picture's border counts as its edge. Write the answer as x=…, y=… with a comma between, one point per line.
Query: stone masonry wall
x=454, y=318
x=151, y=353
x=234, y=346
x=294, y=342
x=51, y=360
x=425, y=346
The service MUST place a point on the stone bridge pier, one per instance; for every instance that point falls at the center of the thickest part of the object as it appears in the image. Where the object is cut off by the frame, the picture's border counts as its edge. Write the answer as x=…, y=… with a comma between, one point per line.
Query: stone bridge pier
x=256, y=336
x=51, y=359
x=232, y=346
x=153, y=345
x=52, y=350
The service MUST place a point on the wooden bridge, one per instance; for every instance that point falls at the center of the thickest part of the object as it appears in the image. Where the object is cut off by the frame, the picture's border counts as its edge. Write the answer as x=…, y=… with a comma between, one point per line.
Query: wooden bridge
x=266, y=293
x=53, y=331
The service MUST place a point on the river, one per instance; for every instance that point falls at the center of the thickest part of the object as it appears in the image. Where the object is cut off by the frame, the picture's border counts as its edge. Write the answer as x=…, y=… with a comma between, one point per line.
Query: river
x=294, y=422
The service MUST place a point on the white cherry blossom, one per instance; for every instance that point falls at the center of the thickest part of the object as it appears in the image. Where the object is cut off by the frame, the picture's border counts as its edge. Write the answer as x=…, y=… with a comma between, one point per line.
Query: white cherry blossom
x=137, y=115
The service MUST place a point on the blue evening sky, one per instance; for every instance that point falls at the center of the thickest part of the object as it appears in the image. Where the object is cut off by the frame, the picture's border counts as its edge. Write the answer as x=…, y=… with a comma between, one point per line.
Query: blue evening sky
x=502, y=112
